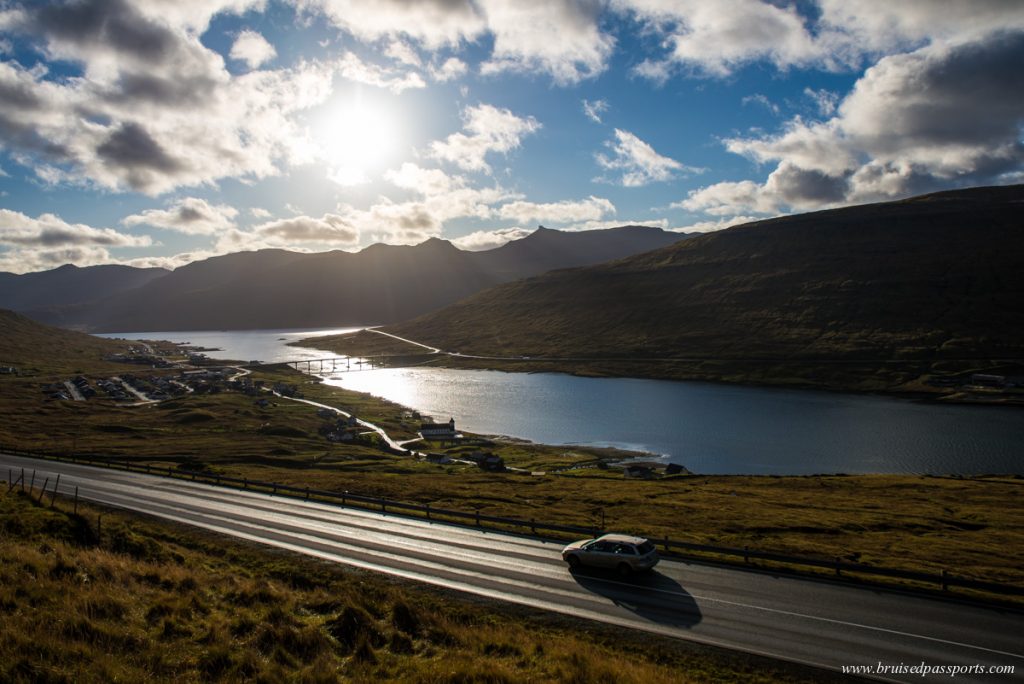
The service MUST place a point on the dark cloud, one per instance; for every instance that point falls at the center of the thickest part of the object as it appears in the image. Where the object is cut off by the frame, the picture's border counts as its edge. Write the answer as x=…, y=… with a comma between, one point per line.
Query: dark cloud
x=800, y=187
x=109, y=24
x=177, y=90
x=131, y=147
x=969, y=94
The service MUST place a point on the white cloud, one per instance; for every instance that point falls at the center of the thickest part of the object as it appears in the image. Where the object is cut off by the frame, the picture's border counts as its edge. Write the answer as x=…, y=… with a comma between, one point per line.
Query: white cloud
x=330, y=228
x=567, y=211
x=488, y=129
x=259, y=212
x=728, y=199
x=35, y=244
x=253, y=49
x=638, y=162
x=49, y=230
x=355, y=69
x=714, y=38
x=435, y=23
x=825, y=101
x=561, y=38
x=946, y=114
x=401, y=51
x=190, y=215
x=424, y=181
x=449, y=70
x=154, y=109
x=761, y=99
x=595, y=109
x=481, y=240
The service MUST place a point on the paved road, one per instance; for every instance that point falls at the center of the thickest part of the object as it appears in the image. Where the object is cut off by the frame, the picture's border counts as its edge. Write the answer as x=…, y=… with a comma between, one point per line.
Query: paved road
x=811, y=622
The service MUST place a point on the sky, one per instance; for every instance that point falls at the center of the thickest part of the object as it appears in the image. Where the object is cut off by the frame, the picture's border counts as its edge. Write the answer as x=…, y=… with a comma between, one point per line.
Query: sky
x=160, y=132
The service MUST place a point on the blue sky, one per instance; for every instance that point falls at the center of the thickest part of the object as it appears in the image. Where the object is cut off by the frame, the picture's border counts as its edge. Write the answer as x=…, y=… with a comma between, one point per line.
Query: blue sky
x=158, y=132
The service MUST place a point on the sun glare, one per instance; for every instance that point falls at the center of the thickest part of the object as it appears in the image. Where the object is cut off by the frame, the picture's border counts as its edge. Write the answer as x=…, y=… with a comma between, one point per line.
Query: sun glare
x=355, y=138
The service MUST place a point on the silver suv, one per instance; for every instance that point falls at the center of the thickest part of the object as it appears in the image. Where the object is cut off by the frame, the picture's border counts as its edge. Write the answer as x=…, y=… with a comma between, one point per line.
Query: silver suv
x=619, y=552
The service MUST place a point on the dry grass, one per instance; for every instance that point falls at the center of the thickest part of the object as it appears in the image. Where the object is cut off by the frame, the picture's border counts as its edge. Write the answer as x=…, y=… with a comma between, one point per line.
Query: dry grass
x=154, y=602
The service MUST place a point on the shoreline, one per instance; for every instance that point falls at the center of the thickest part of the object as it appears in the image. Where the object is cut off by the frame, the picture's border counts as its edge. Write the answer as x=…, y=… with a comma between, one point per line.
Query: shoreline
x=737, y=372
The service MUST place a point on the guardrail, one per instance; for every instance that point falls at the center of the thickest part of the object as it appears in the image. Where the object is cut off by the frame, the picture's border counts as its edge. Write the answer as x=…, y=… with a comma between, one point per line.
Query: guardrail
x=671, y=546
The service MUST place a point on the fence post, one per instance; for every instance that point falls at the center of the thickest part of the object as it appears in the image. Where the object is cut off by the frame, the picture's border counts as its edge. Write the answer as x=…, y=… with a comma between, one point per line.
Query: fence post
x=477, y=513
x=746, y=554
x=76, y=500
x=31, y=484
x=54, y=495
x=245, y=483
x=428, y=511
x=838, y=570
x=44, y=490
x=22, y=480
x=945, y=580
x=307, y=493
x=383, y=506
x=343, y=497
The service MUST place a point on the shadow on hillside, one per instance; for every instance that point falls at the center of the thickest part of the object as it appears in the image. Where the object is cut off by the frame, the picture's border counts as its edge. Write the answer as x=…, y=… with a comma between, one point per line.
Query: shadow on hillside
x=651, y=596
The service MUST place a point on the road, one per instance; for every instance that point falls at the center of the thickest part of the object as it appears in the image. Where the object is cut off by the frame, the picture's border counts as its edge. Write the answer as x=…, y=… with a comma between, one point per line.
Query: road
x=812, y=622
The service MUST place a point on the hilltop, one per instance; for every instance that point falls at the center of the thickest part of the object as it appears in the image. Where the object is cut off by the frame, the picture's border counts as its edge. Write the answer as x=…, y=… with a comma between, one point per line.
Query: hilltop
x=895, y=288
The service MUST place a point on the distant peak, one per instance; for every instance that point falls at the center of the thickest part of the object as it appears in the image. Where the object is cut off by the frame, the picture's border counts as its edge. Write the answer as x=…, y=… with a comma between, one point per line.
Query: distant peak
x=435, y=243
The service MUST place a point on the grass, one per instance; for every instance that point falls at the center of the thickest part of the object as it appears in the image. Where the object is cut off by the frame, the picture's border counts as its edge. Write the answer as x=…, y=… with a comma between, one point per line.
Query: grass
x=139, y=600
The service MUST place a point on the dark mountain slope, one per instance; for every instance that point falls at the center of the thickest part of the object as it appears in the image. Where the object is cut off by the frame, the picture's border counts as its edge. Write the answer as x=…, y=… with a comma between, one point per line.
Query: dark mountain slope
x=937, y=276
x=71, y=285
x=380, y=284
x=545, y=249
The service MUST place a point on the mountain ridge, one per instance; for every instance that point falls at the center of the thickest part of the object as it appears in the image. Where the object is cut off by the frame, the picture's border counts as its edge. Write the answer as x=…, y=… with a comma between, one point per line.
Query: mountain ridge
x=377, y=285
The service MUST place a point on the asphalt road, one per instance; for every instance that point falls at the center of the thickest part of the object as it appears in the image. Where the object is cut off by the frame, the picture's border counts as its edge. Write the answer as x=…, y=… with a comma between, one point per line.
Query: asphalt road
x=811, y=622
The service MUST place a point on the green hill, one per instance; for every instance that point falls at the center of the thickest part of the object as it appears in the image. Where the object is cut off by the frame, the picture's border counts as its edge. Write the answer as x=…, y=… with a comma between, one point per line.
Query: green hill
x=917, y=281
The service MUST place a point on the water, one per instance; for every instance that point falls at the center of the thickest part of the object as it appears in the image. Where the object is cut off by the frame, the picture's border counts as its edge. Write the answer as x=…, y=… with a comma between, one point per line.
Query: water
x=709, y=428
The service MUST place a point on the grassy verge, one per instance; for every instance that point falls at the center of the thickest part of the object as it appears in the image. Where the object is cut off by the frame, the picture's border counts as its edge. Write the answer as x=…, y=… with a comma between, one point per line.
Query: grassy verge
x=139, y=600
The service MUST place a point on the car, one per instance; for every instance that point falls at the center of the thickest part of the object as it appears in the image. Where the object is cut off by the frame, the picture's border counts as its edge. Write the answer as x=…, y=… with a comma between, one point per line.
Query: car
x=619, y=552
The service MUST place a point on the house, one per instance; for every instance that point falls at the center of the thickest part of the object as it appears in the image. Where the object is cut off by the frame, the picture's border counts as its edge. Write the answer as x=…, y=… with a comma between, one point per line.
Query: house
x=487, y=461
x=439, y=459
x=438, y=430
x=639, y=471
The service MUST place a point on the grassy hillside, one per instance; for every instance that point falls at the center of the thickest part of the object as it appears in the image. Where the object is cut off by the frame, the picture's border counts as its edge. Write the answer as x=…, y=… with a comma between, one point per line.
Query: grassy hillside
x=907, y=284
x=136, y=600
x=32, y=347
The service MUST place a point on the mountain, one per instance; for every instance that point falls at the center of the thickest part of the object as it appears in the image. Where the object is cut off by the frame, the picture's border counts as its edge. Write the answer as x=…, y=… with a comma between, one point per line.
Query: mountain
x=69, y=285
x=380, y=284
x=932, y=277
x=545, y=249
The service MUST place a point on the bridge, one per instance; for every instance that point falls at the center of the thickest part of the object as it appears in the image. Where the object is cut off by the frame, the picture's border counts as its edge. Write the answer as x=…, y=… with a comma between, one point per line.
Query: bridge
x=339, y=364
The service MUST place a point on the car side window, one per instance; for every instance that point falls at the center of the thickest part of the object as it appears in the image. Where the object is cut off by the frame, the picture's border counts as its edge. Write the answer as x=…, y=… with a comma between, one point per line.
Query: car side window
x=601, y=546
x=625, y=549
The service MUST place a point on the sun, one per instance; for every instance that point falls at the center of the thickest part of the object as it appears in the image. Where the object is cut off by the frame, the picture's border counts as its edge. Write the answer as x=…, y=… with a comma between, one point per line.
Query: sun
x=356, y=137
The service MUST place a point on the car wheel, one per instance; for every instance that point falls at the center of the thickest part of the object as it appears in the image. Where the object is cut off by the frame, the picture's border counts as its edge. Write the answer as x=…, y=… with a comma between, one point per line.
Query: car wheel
x=574, y=563
x=624, y=570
